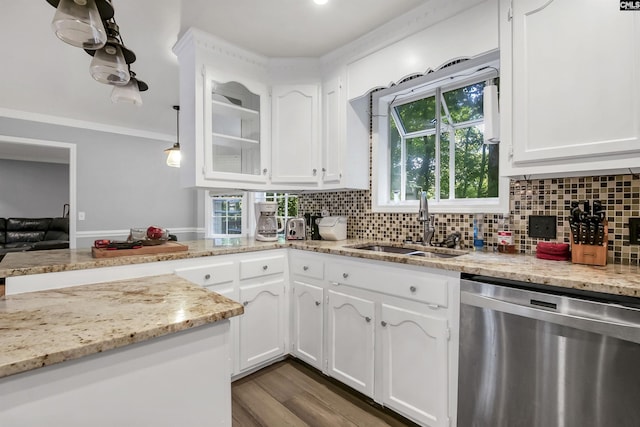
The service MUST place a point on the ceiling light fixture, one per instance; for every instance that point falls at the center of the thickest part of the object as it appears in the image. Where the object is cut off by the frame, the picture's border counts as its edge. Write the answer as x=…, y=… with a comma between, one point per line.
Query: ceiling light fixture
x=129, y=93
x=90, y=24
x=110, y=64
x=173, y=153
x=320, y=2
x=79, y=22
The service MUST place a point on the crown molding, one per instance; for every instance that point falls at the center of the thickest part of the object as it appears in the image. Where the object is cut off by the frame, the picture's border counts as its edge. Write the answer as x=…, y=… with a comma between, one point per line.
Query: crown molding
x=412, y=22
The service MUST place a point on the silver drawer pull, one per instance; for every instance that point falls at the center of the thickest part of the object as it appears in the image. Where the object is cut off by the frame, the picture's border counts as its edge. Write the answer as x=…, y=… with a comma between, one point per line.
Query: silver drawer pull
x=383, y=323
x=207, y=276
x=413, y=289
x=305, y=268
x=318, y=303
x=345, y=275
x=368, y=319
x=265, y=267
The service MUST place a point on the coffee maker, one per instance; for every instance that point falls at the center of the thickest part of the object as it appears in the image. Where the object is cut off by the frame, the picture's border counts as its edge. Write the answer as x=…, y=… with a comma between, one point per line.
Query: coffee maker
x=266, y=221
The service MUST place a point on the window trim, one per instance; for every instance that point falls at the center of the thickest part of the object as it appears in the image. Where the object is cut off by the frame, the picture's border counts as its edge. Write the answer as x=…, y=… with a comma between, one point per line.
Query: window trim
x=415, y=89
x=208, y=208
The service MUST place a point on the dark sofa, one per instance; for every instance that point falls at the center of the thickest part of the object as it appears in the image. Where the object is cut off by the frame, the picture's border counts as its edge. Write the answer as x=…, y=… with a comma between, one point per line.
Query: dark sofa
x=32, y=234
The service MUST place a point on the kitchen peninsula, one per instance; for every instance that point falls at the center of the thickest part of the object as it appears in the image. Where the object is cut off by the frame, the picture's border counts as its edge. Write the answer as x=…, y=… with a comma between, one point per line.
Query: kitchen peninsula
x=292, y=292
x=131, y=352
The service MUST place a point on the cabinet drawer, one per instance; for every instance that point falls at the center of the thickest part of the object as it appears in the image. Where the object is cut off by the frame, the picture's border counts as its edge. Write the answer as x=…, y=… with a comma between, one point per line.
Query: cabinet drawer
x=308, y=267
x=261, y=267
x=425, y=287
x=208, y=275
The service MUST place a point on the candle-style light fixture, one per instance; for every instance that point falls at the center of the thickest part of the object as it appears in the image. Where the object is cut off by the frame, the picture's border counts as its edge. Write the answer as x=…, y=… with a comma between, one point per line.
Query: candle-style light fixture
x=173, y=153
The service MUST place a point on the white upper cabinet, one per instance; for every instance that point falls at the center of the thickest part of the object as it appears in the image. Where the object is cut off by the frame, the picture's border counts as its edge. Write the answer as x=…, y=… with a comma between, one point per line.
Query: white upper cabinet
x=236, y=130
x=333, y=135
x=295, y=134
x=570, y=96
x=255, y=123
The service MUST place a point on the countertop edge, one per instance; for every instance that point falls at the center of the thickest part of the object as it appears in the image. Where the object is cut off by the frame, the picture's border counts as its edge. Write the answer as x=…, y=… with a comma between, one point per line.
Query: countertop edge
x=123, y=338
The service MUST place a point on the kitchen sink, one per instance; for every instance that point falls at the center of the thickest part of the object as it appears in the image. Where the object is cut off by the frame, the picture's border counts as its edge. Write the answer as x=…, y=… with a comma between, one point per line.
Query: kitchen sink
x=427, y=252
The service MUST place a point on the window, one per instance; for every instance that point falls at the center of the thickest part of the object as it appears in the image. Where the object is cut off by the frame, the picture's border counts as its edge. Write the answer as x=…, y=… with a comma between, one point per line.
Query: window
x=287, y=205
x=225, y=215
x=429, y=136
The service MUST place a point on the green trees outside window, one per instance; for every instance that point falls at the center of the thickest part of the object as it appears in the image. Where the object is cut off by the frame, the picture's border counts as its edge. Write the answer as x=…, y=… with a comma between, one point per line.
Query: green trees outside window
x=436, y=145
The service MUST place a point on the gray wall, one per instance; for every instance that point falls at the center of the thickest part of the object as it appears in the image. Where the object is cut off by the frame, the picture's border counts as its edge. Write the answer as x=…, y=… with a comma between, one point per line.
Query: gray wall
x=122, y=181
x=33, y=189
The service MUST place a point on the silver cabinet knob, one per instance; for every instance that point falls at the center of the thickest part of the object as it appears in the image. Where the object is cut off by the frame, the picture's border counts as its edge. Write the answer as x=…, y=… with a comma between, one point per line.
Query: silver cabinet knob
x=317, y=303
x=265, y=267
x=324, y=169
x=383, y=323
x=246, y=303
x=264, y=171
x=368, y=319
x=305, y=268
x=412, y=289
x=207, y=276
x=345, y=275
x=315, y=171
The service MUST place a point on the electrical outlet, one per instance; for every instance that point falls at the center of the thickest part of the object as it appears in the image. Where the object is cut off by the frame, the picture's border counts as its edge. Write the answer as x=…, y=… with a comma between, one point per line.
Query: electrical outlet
x=542, y=226
x=634, y=231
x=81, y=216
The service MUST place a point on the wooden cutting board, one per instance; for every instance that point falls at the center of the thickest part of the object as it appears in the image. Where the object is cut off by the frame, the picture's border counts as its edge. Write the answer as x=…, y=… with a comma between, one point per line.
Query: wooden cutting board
x=145, y=250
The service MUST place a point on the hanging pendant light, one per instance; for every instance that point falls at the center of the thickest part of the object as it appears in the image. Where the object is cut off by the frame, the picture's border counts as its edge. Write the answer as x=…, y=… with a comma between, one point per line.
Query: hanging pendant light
x=129, y=93
x=110, y=64
x=79, y=22
x=173, y=153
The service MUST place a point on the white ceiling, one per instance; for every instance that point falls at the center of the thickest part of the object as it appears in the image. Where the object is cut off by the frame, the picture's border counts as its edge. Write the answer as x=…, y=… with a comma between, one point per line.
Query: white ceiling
x=43, y=75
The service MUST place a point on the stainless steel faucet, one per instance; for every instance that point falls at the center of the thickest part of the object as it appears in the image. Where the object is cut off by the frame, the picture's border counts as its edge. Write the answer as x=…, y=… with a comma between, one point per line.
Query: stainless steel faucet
x=426, y=220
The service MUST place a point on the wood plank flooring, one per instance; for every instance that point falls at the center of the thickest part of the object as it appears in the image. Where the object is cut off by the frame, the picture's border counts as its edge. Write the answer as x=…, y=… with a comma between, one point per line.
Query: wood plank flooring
x=289, y=393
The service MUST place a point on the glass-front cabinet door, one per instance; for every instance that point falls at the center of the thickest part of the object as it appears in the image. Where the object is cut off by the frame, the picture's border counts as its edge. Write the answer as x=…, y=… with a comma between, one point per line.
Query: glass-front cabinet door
x=236, y=131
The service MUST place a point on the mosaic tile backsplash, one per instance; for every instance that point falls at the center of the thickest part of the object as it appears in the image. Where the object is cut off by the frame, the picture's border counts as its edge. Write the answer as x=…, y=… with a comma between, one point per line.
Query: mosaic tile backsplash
x=620, y=194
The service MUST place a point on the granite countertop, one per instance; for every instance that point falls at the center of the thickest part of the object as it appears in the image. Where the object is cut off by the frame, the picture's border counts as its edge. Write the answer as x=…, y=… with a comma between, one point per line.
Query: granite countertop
x=611, y=279
x=47, y=327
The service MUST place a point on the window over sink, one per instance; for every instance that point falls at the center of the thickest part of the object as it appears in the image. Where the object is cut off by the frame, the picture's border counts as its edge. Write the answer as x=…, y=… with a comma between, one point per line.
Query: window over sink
x=428, y=135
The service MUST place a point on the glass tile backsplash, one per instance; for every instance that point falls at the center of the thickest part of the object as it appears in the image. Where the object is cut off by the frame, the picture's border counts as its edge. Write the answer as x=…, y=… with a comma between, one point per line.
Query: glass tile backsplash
x=620, y=194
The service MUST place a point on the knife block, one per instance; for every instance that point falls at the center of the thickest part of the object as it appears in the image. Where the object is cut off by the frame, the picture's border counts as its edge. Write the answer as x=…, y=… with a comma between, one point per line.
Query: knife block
x=591, y=254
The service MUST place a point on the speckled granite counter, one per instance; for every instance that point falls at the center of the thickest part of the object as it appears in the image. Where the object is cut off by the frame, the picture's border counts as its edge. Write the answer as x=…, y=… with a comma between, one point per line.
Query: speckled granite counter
x=52, y=261
x=612, y=279
x=47, y=327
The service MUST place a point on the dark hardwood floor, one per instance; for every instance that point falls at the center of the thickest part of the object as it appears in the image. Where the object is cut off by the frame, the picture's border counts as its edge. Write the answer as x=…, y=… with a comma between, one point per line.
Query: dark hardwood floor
x=289, y=393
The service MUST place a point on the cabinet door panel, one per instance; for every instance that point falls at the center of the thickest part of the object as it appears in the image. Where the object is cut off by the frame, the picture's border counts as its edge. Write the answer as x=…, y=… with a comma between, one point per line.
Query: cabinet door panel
x=333, y=135
x=414, y=358
x=295, y=134
x=575, y=89
x=308, y=323
x=235, y=134
x=261, y=327
x=351, y=340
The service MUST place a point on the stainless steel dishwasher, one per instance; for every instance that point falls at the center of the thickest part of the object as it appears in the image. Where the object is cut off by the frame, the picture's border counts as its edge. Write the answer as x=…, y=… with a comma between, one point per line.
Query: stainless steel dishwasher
x=540, y=356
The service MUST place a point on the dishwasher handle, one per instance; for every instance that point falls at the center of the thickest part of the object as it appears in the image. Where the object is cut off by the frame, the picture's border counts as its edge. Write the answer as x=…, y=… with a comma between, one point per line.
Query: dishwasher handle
x=624, y=331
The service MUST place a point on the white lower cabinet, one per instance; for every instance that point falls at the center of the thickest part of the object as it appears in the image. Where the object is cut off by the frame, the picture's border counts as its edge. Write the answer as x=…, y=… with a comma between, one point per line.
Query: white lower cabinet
x=259, y=282
x=391, y=335
x=414, y=362
x=262, y=326
x=307, y=322
x=350, y=339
